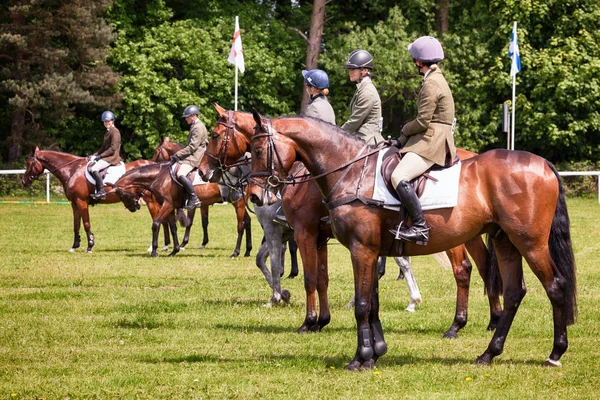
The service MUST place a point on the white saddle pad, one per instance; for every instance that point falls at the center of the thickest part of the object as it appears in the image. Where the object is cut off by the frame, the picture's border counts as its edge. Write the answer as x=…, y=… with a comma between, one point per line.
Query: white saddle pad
x=441, y=194
x=113, y=174
x=198, y=180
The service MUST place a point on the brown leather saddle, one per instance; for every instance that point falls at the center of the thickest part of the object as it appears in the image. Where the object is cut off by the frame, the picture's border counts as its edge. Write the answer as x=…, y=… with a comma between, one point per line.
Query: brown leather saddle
x=390, y=162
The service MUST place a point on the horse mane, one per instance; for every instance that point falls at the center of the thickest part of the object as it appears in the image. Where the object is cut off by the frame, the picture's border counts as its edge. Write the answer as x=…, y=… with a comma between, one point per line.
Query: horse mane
x=144, y=170
x=59, y=153
x=328, y=127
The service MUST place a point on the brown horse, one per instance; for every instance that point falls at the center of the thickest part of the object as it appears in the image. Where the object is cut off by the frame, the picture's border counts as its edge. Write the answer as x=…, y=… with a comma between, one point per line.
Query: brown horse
x=156, y=178
x=305, y=210
x=163, y=153
x=70, y=171
x=514, y=196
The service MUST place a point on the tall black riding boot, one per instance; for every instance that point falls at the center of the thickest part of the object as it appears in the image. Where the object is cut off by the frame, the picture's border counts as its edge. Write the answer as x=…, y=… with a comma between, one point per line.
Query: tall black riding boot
x=192, y=199
x=100, y=194
x=419, y=231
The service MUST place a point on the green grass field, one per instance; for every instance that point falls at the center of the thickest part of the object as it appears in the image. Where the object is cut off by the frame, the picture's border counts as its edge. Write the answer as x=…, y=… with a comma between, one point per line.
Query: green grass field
x=119, y=324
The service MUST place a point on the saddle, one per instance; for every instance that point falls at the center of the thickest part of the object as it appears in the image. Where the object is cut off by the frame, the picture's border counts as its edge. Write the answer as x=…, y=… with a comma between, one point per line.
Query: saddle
x=390, y=162
x=193, y=176
x=108, y=175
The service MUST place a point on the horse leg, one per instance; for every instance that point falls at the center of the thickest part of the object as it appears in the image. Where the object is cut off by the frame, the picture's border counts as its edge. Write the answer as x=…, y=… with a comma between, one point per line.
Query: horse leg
x=511, y=269
x=413, y=289
x=461, y=267
x=306, y=241
x=293, y=247
x=323, y=286
x=188, y=227
x=163, y=214
x=76, y=227
x=493, y=286
x=204, y=215
x=167, y=236
x=240, y=213
x=261, y=261
x=283, y=249
x=248, y=229
x=173, y=226
x=364, y=262
x=85, y=217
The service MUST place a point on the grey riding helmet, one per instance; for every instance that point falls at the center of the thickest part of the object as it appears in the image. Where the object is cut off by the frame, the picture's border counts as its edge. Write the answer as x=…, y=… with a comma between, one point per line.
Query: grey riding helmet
x=190, y=110
x=107, y=116
x=359, y=59
x=426, y=49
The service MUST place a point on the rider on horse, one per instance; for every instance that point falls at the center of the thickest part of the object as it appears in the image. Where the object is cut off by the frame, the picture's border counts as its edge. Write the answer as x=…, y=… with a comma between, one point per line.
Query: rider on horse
x=109, y=154
x=365, y=107
x=428, y=139
x=189, y=157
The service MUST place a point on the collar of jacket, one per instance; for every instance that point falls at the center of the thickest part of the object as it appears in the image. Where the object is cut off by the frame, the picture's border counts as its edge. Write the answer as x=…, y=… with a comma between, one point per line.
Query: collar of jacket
x=364, y=80
x=315, y=97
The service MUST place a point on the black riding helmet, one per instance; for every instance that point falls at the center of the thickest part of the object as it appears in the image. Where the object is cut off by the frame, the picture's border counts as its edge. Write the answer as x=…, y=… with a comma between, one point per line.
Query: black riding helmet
x=359, y=59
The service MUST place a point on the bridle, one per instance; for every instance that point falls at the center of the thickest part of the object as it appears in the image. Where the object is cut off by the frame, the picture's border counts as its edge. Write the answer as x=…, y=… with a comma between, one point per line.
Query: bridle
x=159, y=151
x=229, y=137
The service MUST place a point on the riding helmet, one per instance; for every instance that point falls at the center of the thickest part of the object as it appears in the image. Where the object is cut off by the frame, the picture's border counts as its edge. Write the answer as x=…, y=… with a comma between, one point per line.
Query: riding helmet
x=316, y=77
x=359, y=59
x=426, y=49
x=107, y=116
x=190, y=110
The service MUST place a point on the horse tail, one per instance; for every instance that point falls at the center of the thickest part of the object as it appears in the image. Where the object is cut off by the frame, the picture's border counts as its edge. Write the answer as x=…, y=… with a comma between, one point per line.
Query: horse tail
x=493, y=285
x=182, y=218
x=561, y=251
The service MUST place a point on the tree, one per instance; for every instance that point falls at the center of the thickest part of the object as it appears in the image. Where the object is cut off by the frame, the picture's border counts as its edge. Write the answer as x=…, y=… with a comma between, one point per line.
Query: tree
x=52, y=61
x=313, y=42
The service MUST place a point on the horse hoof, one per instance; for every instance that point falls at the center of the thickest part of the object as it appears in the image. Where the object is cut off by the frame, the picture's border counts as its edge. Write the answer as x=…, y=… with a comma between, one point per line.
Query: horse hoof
x=234, y=255
x=450, y=335
x=202, y=247
x=181, y=248
x=303, y=329
x=72, y=250
x=482, y=361
x=411, y=307
x=88, y=251
x=165, y=248
x=268, y=305
x=286, y=295
x=154, y=254
x=292, y=276
x=353, y=366
x=552, y=363
x=369, y=364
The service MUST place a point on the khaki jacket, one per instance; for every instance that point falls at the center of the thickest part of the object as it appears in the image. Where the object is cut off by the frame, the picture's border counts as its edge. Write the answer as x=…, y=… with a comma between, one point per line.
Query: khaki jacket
x=430, y=133
x=320, y=108
x=365, y=109
x=193, y=151
x=111, y=147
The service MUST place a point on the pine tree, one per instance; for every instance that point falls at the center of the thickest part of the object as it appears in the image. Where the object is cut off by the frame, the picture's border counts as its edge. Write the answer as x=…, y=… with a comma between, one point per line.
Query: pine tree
x=52, y=60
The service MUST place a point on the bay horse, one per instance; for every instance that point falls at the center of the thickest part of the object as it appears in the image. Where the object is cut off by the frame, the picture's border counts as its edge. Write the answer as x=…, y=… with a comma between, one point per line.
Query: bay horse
x=163, y=153
x=70, y=171
x=156, y=179
x=304, y=208
x=516, y=197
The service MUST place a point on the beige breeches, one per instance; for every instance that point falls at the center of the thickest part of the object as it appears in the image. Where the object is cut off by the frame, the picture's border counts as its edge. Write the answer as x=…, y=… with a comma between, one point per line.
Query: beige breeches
x=184, y=169
x=411, y=166
x=99, y=166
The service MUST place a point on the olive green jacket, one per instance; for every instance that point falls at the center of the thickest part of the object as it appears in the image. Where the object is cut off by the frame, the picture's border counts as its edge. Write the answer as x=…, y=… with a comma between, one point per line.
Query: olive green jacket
x=430, y=134
x=365, y=109
x=193, y=151
x=319, y=107
x=110, y=151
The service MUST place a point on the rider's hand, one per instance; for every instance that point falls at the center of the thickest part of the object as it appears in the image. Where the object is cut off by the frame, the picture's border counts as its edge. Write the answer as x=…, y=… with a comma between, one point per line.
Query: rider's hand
x=98, y=157
x=174, y=159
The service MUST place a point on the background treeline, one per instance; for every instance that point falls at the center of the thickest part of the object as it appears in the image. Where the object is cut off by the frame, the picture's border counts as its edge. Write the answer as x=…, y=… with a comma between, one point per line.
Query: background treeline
x=64, y=62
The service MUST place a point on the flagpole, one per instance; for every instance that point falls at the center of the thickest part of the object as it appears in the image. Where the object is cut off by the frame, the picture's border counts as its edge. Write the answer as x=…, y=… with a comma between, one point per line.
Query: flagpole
x=236, y=73
x=514, y=91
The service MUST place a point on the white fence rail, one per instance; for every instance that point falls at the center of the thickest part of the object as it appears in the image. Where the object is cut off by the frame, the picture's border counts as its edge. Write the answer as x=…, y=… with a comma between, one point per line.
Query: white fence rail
x=561, y=173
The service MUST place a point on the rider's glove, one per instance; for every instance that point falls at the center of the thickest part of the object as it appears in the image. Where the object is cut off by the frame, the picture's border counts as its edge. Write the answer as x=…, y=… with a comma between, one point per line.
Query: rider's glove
x=174, y=159
x=98, y=157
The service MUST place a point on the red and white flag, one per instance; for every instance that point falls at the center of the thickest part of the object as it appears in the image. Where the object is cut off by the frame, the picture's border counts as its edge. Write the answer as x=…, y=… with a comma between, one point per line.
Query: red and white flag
x=236, y=55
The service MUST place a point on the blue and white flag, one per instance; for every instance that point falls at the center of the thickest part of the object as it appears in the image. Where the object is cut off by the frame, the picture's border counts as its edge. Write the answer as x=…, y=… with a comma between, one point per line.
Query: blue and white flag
x=513, y=52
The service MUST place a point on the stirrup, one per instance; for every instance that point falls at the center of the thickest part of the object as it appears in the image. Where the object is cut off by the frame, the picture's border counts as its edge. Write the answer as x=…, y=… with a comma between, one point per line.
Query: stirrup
x=399, y=234
x=98, y=196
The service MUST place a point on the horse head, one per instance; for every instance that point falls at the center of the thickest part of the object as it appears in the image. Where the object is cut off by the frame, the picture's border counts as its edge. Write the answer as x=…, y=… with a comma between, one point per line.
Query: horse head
x=229, y=141
x=34, y=169
x=272, y=157
x=165, y=150
x=128, y=196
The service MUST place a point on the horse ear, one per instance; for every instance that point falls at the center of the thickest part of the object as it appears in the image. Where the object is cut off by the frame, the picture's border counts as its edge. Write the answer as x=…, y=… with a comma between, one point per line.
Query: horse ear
x=220, y=110
x=162, y=139
x=35, y=151
x=258, y=118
